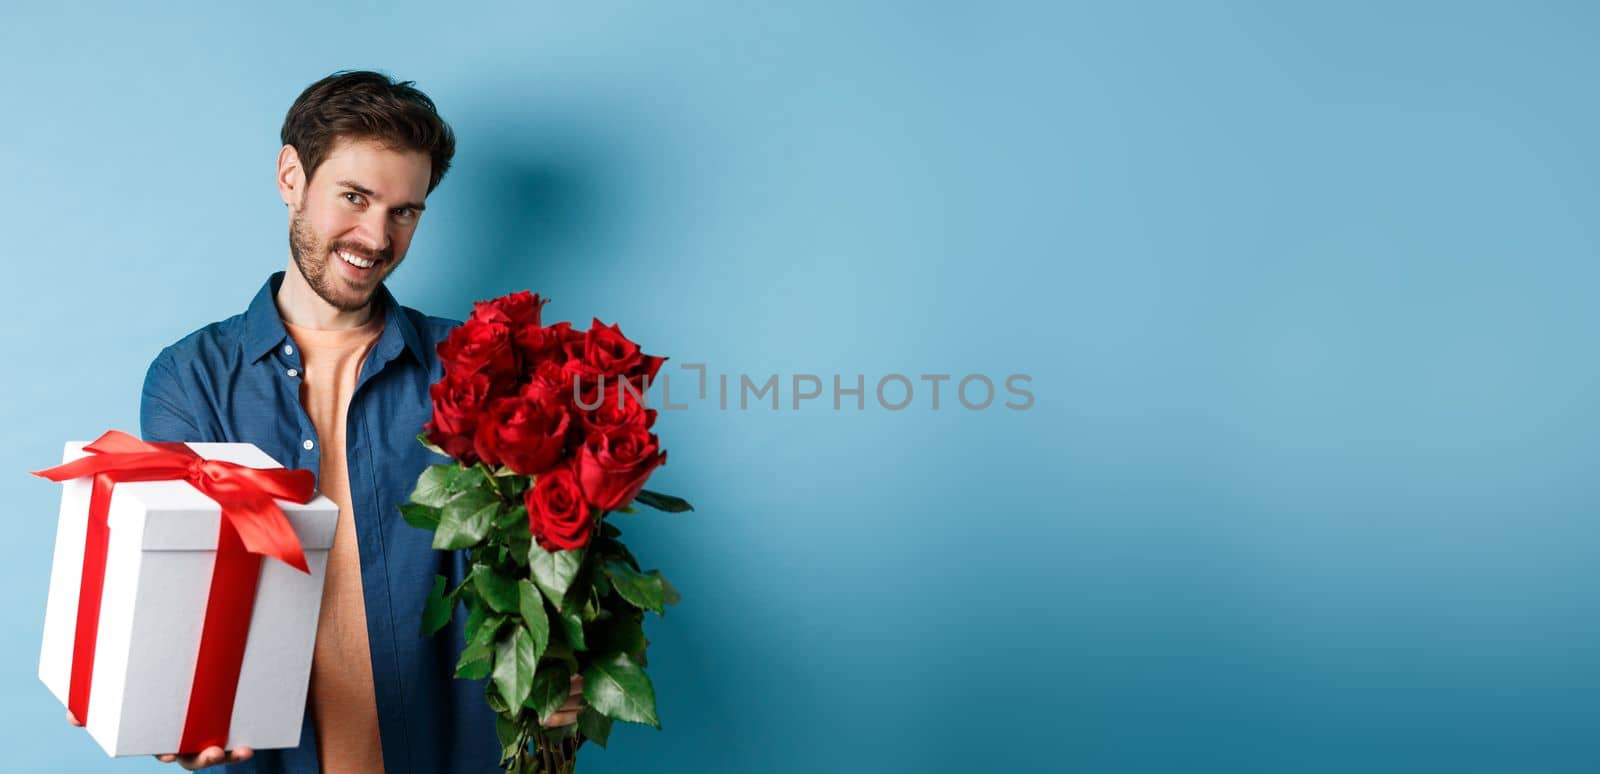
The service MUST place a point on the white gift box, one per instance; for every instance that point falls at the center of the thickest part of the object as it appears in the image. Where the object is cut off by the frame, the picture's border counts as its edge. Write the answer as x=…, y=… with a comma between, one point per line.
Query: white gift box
x=163, y=540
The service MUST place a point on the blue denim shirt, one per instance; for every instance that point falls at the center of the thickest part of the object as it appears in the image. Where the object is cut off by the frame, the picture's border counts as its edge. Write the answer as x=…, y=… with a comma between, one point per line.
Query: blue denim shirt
x=237, y=380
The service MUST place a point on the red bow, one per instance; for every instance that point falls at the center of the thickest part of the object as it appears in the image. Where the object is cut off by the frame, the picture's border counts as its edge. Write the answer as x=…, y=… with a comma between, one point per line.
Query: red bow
x=252, y=526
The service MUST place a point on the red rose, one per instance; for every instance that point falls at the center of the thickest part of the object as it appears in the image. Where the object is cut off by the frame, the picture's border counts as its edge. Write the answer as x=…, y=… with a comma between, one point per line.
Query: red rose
x=612, y=468
x=604, y=351
x=549, y=382
x=558, y=517
x=476, y=346
x=526, y=432
x=458, y=407
x=609, y=418
x=544, y=344
x=515, y=311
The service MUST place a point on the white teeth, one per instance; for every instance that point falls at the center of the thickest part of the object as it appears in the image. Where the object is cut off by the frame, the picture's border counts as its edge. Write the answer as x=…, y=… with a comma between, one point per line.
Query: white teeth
x=354, y=261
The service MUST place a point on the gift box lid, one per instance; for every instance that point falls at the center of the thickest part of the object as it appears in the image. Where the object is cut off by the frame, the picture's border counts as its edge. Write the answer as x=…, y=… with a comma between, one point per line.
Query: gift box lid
x=175, y=516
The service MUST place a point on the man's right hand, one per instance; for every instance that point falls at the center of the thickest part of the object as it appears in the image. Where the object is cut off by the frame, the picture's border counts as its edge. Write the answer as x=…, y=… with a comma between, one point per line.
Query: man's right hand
x=211, y=756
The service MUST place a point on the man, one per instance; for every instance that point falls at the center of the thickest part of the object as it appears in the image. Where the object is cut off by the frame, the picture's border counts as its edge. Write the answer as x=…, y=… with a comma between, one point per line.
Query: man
x=325, y=371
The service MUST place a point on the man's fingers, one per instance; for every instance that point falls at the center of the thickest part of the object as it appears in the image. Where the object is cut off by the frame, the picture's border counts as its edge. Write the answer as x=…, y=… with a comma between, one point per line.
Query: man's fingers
x=73, y=719
x=560, y=719
x=568, y=714
x=207, y=757
x=211, y=756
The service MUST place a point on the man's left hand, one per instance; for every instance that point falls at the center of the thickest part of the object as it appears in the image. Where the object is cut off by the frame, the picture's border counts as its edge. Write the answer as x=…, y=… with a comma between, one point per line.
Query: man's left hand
x=568, y=714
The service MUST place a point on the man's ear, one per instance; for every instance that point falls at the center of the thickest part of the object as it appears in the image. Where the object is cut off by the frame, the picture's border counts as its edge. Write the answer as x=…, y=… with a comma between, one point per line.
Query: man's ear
x=291, y=177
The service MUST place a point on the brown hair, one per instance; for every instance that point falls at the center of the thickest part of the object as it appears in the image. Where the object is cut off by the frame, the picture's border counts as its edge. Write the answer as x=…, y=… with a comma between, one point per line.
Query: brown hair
x=365, y=105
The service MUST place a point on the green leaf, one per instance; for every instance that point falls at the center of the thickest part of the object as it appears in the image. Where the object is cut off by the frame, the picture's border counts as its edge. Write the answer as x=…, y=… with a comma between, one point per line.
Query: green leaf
x=572, y=623
x=669, y=594
x=580, y=599
x=420, y=516
x=555, y=735
x=471, y=478
x=607, y=529
x=663, y=502
x=480, y=649
x=641, y=591
x=553, y=571
x=517, y=516
x=475, y=617
x=476, y=658
x=559, y=651
x=513, y=665
x=595, y=726
x=621, y=690
x=531, y=606
x=496, y=589
x=466, y=520
x=436, y=485
x=509, y=734
x=517, y=544
x=491, y=695
x=436, y=611
x=422, y=438
x=476, y=669
x=616, y=548
x=488, y=634
x=516, y=486
x=551, y=685
x=619, y=634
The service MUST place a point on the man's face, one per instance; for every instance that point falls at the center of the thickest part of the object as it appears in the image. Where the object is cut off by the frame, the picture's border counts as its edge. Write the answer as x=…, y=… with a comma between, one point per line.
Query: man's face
x=354, y=219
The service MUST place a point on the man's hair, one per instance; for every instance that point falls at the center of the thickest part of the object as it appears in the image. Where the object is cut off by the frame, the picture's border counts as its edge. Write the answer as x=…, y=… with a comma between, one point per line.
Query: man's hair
x=365, y=105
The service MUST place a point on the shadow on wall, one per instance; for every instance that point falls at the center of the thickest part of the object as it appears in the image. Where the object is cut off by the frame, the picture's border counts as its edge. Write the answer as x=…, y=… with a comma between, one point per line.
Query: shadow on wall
x=538, y=192
x=521, y=217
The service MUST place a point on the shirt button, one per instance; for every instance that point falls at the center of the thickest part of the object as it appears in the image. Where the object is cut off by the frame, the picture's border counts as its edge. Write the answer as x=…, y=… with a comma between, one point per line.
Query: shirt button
x=288, y=349
x=293, y=372
x=308, y=444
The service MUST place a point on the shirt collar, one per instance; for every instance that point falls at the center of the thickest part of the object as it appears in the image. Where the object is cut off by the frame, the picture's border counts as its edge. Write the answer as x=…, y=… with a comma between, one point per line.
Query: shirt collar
x=264, y=331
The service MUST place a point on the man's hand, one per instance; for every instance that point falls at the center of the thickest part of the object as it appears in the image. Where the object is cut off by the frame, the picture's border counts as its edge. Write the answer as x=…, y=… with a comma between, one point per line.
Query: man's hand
x=211, y=756
x=568, y=714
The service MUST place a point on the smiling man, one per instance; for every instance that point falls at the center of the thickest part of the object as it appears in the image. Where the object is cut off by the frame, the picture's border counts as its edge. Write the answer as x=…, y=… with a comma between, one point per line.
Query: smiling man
x=326, y=371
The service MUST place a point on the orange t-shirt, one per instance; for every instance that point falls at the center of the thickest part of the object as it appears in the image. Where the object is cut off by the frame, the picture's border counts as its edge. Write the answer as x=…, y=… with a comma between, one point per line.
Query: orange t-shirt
x=344, y=709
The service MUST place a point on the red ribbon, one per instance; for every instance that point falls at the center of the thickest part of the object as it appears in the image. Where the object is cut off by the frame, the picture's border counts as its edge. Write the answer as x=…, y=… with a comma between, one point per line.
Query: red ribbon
x=252, y=526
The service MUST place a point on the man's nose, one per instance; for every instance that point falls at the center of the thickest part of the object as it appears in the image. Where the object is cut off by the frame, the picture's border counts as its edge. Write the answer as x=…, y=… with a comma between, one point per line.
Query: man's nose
x=373, y=232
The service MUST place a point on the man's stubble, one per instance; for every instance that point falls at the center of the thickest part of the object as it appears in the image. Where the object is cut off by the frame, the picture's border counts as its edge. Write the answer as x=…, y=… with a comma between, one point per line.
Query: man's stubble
x=312, y=259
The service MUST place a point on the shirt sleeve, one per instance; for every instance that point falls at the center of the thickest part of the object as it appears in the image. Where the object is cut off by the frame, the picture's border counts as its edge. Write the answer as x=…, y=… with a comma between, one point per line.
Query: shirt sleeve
x=163, y=411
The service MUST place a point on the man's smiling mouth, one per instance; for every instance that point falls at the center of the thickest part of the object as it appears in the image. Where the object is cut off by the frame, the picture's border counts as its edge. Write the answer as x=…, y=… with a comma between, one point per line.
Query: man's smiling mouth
x=356, y=261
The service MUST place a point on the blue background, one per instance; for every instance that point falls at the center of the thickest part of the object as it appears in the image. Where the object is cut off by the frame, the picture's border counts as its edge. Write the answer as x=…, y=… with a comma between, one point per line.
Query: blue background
x=1306, y=296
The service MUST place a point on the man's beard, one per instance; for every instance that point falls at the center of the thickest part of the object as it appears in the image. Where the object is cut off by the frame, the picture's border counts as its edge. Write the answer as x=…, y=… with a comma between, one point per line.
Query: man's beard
x=313, y=261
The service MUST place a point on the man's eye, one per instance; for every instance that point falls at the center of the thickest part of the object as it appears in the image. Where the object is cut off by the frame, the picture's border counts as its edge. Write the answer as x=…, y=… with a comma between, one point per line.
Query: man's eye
x=352, y=197
x=405, y=213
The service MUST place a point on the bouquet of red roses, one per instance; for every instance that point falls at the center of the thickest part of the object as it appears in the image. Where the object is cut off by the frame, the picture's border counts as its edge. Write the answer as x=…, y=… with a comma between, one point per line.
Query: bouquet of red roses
x=550, y=434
